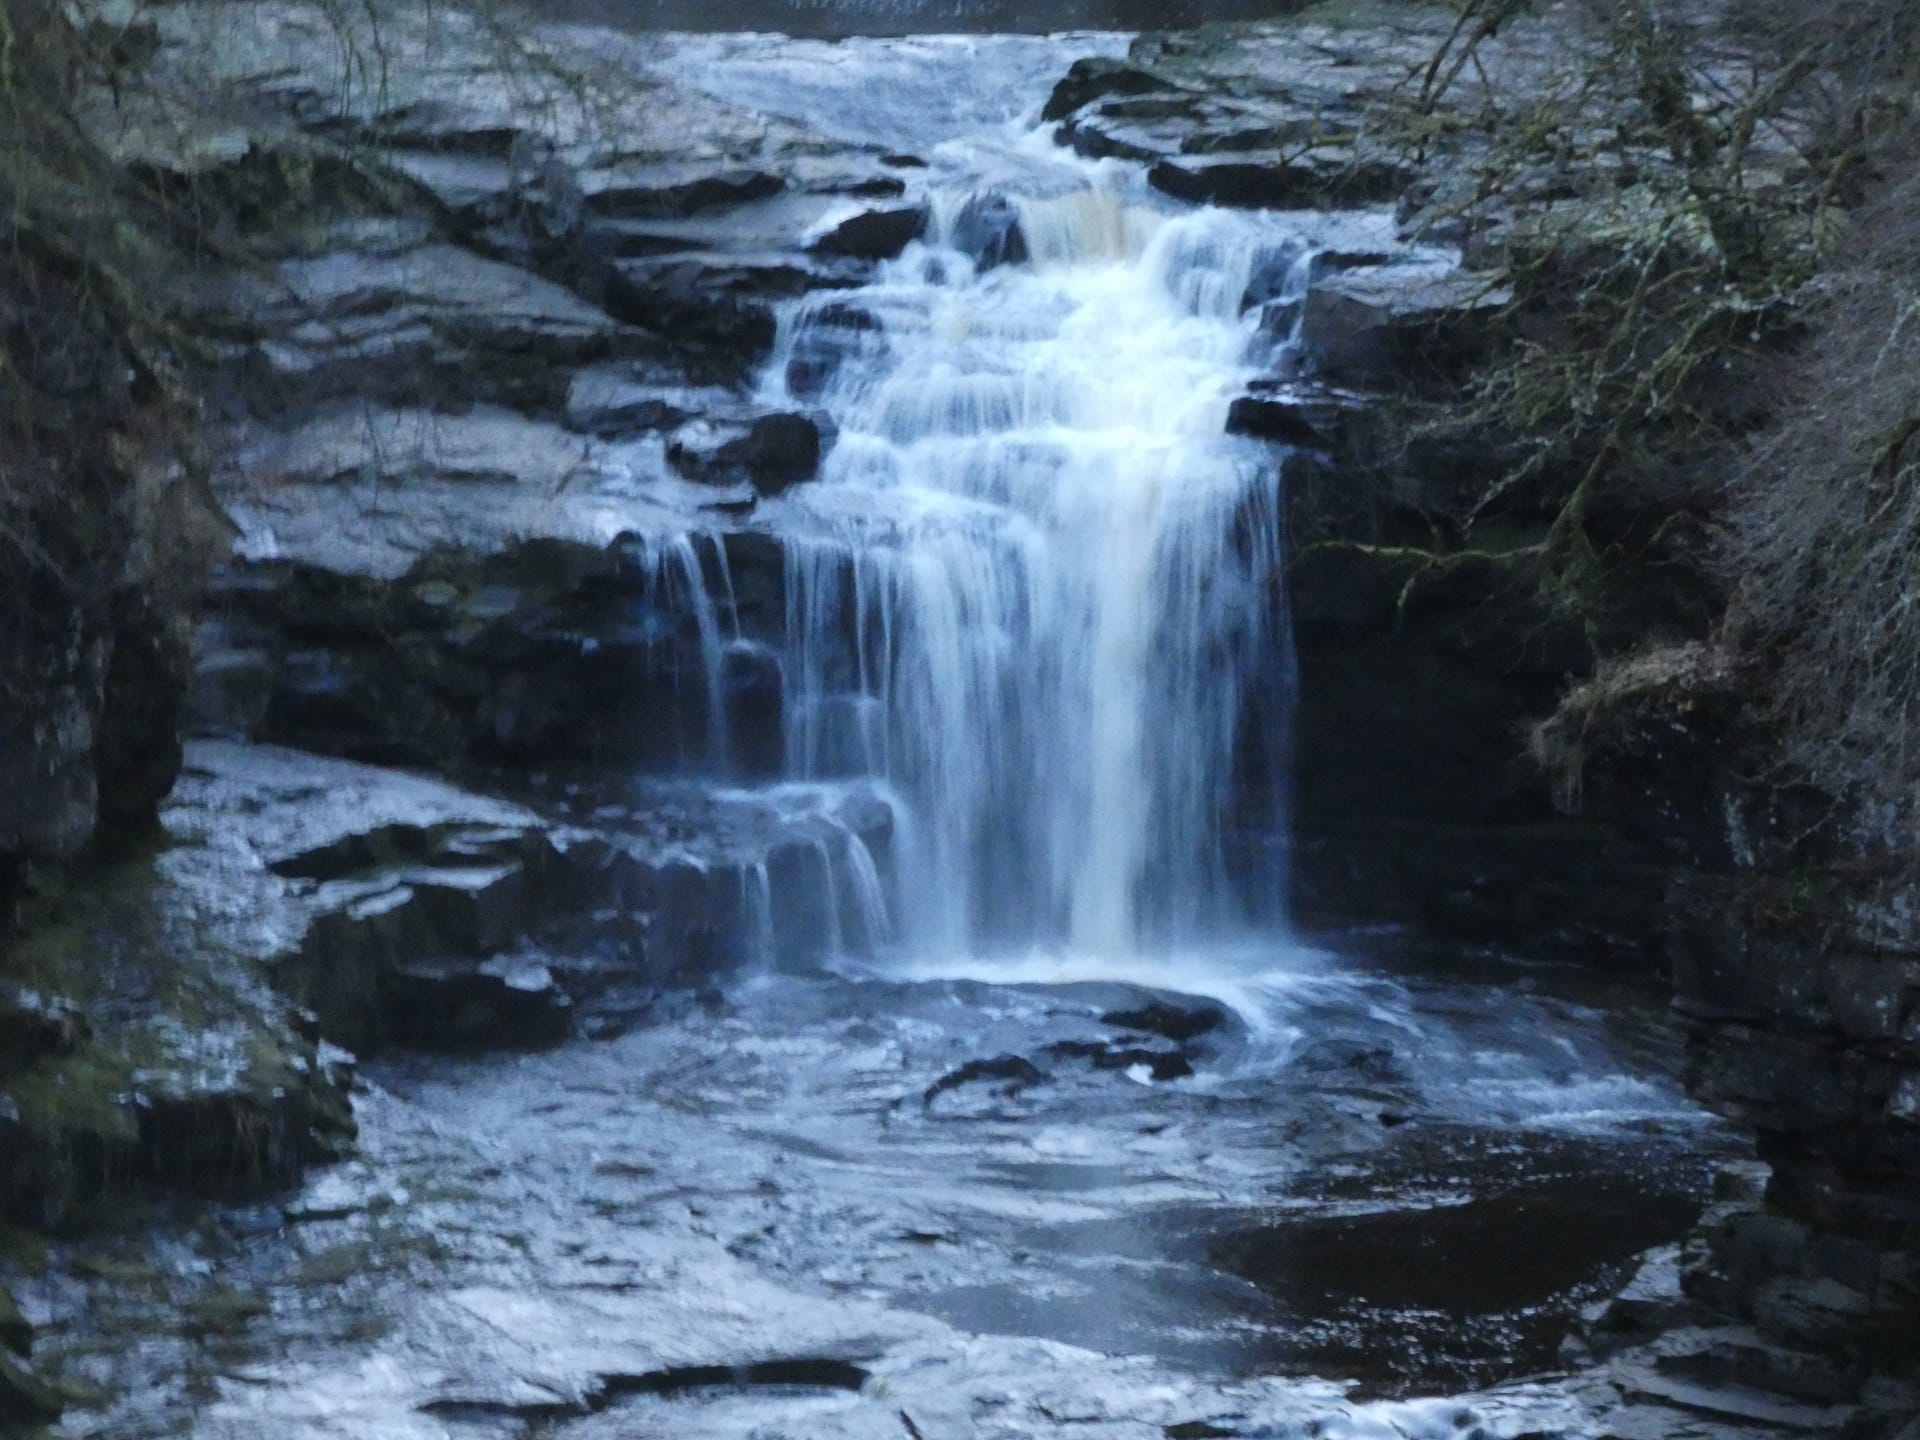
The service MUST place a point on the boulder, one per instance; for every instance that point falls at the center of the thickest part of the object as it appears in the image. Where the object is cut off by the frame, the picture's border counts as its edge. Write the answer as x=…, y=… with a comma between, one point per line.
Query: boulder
x=988, y=230
x=771, y=452
x=781, y=451
x=874, y=234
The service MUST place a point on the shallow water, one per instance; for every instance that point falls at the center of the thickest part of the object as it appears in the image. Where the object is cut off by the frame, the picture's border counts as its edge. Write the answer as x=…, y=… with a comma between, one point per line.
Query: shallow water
x=1379, y=1175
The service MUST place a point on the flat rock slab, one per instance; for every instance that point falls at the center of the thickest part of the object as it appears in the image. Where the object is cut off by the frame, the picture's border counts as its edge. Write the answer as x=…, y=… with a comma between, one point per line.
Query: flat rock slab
x=368, y=491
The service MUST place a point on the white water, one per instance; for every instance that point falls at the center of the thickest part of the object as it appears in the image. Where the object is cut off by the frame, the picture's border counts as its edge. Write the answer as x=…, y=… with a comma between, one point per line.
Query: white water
x=1060, y=570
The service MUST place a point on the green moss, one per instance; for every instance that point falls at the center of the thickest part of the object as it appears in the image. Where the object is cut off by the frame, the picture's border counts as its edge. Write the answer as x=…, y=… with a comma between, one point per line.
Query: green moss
x=23, y=1252
x=337, y=1264
x=121, y=1274
x=224, y=1310
x=86, y=1093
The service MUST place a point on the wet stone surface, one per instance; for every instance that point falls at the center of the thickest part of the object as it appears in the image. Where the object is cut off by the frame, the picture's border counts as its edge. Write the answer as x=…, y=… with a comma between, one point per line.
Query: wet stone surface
x=805, y=1204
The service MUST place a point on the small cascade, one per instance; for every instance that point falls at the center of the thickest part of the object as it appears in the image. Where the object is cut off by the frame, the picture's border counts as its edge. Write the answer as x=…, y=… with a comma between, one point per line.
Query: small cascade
x=1035, y=588
x=756, y=912
x=866, y=889
x=678, y=584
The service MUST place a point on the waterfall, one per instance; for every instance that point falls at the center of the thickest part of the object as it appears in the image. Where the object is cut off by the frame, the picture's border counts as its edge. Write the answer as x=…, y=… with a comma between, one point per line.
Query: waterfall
x=1035, y=588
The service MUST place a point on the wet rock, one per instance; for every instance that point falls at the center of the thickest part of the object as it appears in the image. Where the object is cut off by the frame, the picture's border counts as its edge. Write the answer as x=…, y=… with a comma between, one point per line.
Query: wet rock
x=1099, y=78
x=1295, y=182
x=874, y=234
x=1372, y=327
x=676, y=190
x=988, y=230
x=754, y=689
x=433, y=324
x=718, y=308
x=511, y=1002
x=1180, y=1024
x=829, y=338
x=781, y=451
x=1283, y=419
x=1158, y=1064
x=1008, y=1074
x=615, y=401
x=772, y=452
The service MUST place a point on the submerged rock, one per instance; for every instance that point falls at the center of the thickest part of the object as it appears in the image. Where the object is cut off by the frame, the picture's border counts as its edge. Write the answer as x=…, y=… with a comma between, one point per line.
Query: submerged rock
x=1008, y=1074
x=988, y=230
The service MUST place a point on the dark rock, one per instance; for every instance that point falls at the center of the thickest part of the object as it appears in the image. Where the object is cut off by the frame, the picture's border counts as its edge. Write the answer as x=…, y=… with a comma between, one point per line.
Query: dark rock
x=1177, y=1023
x=1161, y=1064
x=721, y=317
x=506, y=1002
x=772, y=452
x=988, y=229
x=1097, y=78
x=1282, y=420
x=781, y=451
x=677, y=192
x=1374, y=327
x=232, y=684
x=874, y=234
x=753, y=688
x=613, y=401
x=1012, y=1073
x=1293, y=182
x=25, y=1399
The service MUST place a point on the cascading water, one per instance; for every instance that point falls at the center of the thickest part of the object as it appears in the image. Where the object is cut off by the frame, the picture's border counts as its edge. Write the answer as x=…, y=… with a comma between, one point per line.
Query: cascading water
x=1035, y=590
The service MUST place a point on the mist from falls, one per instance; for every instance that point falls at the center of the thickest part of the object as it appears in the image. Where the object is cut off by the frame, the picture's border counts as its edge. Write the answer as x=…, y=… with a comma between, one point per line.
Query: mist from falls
x=1036, y=589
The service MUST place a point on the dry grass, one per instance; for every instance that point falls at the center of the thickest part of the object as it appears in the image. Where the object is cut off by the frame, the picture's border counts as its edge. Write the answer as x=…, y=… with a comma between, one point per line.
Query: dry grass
x=1630, y=702
x=1824, y=523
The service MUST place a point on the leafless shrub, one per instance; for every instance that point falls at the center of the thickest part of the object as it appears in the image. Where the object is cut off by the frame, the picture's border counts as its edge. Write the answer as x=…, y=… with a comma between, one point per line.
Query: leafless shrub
x=1824, y=523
